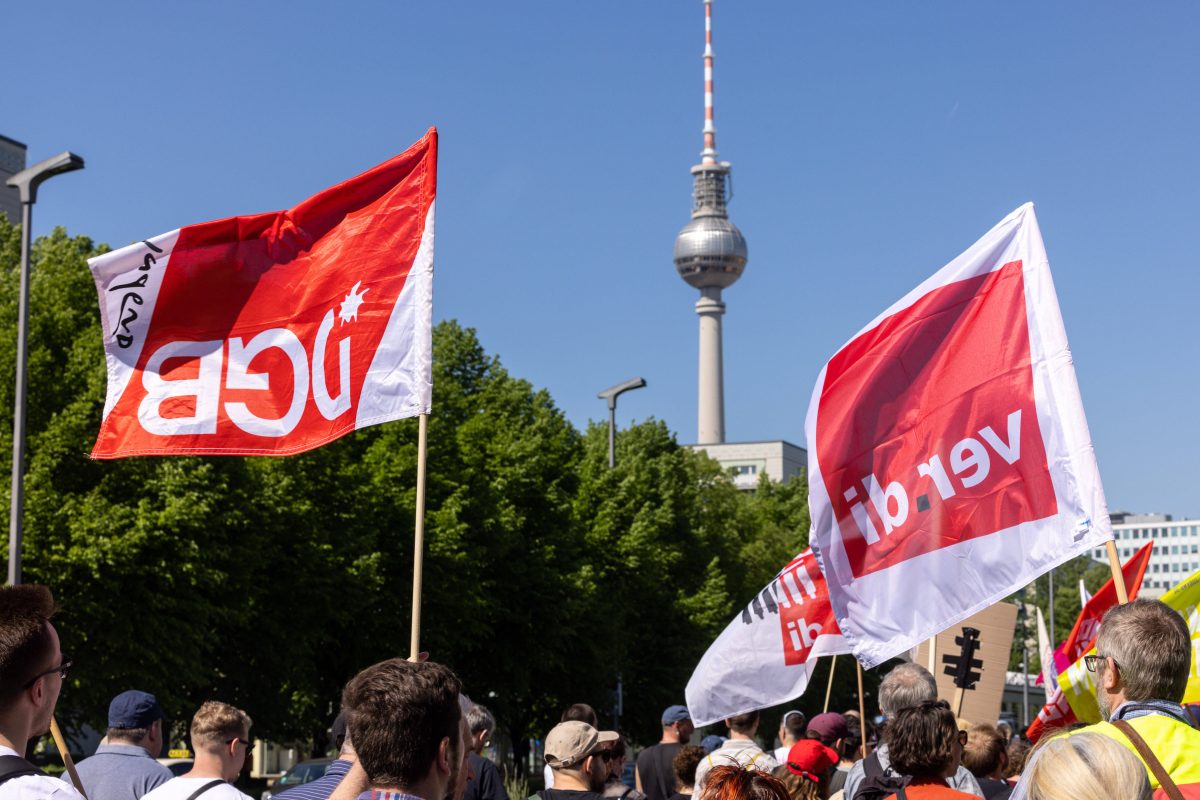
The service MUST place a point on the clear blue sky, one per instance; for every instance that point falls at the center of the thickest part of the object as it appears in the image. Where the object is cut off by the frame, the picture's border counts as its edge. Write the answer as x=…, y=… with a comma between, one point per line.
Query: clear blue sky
x=871, y=142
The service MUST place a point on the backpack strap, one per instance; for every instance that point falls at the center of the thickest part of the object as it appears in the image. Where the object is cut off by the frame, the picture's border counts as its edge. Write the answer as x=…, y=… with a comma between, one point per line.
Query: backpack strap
x=16, y=767
x=210, y=785
x=872, y=767
x=1160, y=772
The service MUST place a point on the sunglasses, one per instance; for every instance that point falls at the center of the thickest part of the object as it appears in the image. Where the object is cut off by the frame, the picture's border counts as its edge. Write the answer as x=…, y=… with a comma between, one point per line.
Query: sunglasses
x=249, y=744
x=62, y=670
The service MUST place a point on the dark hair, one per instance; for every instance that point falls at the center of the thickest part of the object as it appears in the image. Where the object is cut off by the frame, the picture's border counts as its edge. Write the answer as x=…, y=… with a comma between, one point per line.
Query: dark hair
x=794, y=722
x=744, y=723
x=617, y=749
x=921, y=739
x=684, y=764
x=127, y=734
x=580, y=712
x=984, y=751
x=398, y=712
x=851, y=742
x=25, y=643
x=734, y=783
x=1018, y=753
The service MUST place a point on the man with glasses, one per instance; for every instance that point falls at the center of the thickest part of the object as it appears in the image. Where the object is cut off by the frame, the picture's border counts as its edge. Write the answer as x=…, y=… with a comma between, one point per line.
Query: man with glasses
x=576, y=753
x=221, y=741
x=32, y=672
x=124, y=767
x=1142, y=664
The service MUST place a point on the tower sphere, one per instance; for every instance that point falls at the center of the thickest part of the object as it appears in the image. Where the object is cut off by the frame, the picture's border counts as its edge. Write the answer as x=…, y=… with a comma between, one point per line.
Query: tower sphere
x=710, y=252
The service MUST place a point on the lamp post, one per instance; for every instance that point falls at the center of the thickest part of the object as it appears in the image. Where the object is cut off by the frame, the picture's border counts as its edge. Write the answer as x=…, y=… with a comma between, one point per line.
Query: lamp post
x=611, y=394
x=27, y=183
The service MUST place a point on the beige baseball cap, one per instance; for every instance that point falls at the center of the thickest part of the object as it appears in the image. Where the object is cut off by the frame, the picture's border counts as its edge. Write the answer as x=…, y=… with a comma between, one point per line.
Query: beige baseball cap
x=571, y=742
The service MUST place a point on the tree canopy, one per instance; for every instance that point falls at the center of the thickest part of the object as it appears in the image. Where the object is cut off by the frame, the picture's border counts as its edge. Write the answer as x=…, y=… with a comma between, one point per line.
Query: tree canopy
x=269, y=582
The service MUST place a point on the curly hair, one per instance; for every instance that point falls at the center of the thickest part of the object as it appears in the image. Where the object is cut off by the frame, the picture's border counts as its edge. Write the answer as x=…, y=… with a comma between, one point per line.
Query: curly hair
x=684, y=764
x=921, y=739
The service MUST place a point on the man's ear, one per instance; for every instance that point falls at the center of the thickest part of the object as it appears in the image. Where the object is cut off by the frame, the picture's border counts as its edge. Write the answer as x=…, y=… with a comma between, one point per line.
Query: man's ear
x=1110, y=677
x=443, y=756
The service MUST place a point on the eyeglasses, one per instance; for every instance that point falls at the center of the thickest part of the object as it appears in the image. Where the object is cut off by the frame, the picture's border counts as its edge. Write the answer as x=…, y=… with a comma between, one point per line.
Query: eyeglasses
x=249, y=744
x=62, y=670
x=1093, y=662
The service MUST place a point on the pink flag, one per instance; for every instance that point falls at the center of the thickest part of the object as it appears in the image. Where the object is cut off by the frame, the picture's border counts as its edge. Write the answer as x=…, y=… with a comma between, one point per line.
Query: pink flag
x=274, y=333
x=767, y=654
x=950, y=461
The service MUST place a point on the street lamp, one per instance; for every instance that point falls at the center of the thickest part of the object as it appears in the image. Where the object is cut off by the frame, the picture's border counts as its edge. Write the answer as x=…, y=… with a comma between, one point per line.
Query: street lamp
x=611, y=394
x=27, y=183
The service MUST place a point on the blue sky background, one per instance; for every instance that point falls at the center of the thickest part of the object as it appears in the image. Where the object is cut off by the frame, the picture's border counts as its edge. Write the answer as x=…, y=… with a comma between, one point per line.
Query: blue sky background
x=871, y=142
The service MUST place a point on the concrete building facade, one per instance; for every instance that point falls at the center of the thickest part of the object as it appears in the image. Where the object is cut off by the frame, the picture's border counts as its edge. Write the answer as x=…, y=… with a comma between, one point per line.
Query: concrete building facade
x=746, y=461
x=12, y=161
x=1176, y=547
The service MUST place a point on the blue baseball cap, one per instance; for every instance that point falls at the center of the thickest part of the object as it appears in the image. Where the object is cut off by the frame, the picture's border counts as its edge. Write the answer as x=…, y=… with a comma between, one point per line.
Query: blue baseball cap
x=134, y=709
x=675, y=714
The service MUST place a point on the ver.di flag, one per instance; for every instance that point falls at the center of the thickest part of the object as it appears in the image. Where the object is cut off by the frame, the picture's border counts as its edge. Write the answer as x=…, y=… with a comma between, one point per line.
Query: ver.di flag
x=767, y=654
x=950, y=462
x=274, y=333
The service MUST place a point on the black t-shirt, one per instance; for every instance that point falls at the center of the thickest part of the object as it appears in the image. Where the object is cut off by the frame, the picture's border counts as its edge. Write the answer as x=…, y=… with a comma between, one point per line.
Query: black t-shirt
x=655, y=769
x=678, y=796
x=487, y=783
x=994, y=789
x=569, y=794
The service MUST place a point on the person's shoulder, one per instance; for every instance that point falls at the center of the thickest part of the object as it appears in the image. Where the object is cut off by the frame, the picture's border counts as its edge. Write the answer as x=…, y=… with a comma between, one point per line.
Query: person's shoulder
x=38, y=786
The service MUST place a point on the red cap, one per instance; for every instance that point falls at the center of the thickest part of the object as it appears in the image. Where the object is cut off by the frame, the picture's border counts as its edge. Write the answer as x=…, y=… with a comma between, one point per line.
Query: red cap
x=810, y=758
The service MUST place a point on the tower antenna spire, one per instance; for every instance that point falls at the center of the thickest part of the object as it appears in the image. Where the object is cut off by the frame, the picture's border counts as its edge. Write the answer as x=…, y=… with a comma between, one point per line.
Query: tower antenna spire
x=709, y=154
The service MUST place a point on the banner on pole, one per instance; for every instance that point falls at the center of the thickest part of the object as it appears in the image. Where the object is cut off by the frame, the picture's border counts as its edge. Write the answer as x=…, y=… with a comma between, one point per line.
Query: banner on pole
x=768, y=652
x=274, y=333
x=1078, y=685
x=1057, y=712
x=949, y=449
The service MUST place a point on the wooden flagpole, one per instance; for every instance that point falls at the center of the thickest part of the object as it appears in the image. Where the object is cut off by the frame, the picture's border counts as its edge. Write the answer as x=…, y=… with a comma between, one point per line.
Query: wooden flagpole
x=862, y=709
x=933, y=654
x=829, y=686
x=61, y=744
x=419, y=539
x=1114, y=563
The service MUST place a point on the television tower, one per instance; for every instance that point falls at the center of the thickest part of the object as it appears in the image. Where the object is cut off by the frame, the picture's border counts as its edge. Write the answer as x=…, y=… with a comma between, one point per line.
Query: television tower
x=710, y=254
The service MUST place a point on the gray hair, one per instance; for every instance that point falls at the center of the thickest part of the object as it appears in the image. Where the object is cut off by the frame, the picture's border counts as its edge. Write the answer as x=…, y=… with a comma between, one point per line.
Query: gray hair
x=906, y=686
x=479, y=718
x=1152, y=647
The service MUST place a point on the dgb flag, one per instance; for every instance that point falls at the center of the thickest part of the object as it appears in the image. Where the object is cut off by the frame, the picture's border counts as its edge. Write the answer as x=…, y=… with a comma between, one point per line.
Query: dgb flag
x=950, y=461
x=274, y=333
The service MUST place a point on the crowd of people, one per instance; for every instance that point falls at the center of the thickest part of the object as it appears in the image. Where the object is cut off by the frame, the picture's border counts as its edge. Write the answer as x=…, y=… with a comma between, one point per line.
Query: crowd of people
x=407, y=731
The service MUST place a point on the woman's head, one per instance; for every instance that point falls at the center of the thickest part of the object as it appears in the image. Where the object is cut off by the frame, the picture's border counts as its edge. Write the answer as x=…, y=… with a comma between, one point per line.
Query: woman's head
x=735, y=783
x=1085, y=766
x=924, y=740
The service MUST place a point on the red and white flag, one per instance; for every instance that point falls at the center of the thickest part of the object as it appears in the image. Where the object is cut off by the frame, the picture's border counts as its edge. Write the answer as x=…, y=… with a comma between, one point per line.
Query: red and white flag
x=274, y=333
x=767, y=654
x=949, y=458
x=1057, y=712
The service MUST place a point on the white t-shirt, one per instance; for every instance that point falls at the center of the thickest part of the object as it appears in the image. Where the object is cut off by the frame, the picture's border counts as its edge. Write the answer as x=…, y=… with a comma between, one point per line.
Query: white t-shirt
x=182, y=789
x=35, y=787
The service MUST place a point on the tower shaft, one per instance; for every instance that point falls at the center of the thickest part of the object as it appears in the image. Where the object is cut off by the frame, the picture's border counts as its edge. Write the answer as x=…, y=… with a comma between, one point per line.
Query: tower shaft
x=710, y=415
